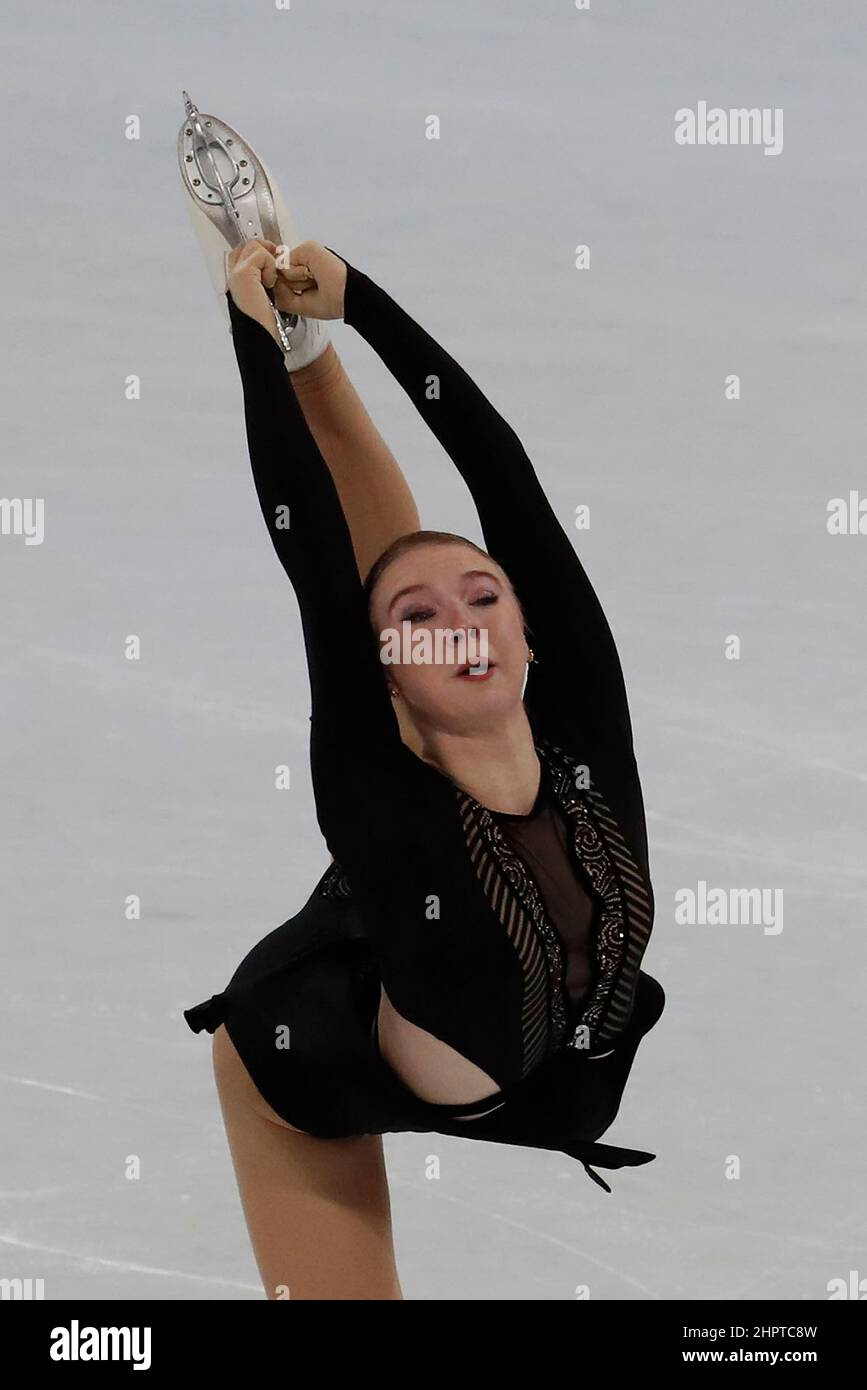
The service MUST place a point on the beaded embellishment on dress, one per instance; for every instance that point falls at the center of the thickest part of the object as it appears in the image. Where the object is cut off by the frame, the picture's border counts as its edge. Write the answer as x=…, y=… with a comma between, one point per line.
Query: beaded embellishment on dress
x=334, y=883
x=622, y=919
x=514, y=896
x=624, y=896
x=622, y=924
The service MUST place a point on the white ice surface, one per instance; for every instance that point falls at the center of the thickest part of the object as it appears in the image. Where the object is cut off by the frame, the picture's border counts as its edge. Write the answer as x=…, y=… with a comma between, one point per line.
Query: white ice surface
x=708, y=518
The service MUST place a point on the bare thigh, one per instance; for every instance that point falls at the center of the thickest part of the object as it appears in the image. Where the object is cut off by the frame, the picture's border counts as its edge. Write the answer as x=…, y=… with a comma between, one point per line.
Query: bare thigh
x=317, y=1210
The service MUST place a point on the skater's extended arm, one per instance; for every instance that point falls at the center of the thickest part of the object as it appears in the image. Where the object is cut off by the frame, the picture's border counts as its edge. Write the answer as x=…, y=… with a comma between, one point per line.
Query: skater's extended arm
x=359, y=750
x=578, y=676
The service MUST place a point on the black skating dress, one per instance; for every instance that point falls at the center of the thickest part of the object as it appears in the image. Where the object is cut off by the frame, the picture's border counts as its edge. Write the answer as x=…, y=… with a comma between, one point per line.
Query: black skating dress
x=529, y=965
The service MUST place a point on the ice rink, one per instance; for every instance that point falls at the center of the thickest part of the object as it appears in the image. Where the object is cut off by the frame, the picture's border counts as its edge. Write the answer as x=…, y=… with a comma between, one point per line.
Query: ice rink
x=709, y=521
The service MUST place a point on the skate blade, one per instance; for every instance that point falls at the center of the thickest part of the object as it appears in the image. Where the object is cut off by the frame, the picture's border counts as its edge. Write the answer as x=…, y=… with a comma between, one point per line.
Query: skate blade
x=232, y=195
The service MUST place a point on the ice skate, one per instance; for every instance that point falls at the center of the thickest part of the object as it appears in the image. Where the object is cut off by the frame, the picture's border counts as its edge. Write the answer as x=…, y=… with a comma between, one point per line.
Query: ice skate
x=233, y=198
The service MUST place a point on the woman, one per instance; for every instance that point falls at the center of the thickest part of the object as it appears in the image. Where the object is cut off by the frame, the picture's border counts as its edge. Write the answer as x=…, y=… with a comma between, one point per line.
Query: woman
x=469, y=962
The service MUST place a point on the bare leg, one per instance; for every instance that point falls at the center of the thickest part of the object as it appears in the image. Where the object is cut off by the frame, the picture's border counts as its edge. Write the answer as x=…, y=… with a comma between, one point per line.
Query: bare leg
x=374, y=494
x=317, y=1210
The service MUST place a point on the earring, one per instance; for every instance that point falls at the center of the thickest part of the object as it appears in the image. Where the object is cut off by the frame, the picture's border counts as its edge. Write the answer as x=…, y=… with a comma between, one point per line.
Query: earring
x=530, y=655
x=393, y=693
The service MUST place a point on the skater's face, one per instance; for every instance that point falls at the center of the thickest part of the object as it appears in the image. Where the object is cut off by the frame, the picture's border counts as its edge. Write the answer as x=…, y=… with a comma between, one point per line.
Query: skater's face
x=451, y=637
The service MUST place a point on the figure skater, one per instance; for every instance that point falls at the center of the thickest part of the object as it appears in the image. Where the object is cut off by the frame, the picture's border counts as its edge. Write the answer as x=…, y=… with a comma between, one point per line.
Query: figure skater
x=469, y=962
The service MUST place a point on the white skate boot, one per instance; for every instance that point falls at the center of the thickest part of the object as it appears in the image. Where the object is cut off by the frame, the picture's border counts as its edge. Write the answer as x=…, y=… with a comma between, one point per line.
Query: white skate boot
x=233, y=198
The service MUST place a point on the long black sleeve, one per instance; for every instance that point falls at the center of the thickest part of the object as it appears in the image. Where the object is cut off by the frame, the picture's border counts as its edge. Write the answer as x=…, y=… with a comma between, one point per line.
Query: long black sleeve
x=353, y=723
x=578, y=679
